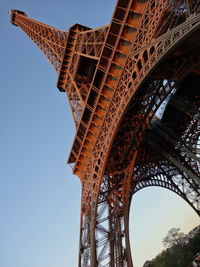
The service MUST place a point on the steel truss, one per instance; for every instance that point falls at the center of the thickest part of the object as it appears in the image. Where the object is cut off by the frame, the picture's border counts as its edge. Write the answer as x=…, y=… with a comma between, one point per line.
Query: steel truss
x=124, y=81
x=111, y=243
x=165, y=174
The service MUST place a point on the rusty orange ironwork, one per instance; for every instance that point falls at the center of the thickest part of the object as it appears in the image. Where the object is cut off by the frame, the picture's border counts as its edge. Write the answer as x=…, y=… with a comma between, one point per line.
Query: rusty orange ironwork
x=134, y=90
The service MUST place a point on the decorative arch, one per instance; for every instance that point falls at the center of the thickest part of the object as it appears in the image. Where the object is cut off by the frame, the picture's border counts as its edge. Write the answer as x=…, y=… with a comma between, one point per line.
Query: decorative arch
x=169, y=177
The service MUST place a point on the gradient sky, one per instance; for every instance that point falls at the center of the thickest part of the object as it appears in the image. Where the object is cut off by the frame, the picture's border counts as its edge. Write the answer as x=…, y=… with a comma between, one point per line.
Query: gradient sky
x=39, y=196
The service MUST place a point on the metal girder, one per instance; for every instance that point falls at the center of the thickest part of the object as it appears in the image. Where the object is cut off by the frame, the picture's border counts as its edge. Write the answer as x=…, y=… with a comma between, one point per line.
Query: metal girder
x=50, y=40
x=117, y=79
x=165, y=174
x=155, y=102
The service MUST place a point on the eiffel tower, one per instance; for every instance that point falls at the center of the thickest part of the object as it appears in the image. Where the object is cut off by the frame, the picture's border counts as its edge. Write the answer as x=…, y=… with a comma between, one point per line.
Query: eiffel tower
x=134, y=91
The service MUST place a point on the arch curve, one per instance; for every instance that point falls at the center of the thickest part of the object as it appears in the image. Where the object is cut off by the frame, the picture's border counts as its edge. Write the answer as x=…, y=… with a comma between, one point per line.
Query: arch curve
x=167, y=176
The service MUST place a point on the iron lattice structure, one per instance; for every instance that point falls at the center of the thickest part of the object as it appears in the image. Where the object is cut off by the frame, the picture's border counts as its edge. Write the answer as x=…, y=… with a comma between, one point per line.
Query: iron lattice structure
x=134, y=91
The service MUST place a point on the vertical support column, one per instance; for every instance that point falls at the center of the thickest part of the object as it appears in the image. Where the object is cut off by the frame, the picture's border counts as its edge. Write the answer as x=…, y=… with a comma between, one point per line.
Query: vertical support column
x=84, y=247
x=127, y=239
x=92, y=234
x=126, y=205
x=112, y=244
x=118, y=246
x=81, y=249
x=111, y=237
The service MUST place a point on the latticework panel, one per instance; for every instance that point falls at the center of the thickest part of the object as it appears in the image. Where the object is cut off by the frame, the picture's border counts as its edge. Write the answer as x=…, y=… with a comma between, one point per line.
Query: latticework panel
x=140, y=116
x=50, y=40
x=90, y=43
x=165, y=174
x=118, y=79
x=177, y=12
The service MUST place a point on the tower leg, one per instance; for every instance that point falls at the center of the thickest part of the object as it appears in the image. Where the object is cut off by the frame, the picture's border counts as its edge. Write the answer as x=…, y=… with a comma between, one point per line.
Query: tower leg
x=128, y=248
x=92, y=235
x=105, y=237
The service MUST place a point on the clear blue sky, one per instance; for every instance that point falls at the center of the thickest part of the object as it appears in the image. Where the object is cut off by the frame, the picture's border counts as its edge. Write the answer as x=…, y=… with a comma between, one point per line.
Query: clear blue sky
x=39, y=196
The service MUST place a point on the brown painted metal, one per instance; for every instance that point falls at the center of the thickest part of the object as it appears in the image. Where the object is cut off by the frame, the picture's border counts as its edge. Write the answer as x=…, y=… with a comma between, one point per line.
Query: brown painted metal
x=118, y=78
x=50, y=40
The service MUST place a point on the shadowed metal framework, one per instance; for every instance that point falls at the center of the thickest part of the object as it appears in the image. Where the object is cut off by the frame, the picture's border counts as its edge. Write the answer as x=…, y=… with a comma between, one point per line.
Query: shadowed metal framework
x=134, y=91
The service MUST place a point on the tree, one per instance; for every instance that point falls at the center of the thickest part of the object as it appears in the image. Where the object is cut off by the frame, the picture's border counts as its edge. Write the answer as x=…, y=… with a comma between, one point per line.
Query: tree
x=181, y=251
x=148, y=264
x=174, y=238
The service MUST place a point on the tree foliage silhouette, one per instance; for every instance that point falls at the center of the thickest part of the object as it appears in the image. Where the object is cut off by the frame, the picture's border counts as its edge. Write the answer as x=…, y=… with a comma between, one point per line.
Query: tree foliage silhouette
x=174, y=238
x=180, y=251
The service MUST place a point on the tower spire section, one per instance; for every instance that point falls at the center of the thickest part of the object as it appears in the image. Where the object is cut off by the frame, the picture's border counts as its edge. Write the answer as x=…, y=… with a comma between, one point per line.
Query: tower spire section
x=50, y=40
x=74, y=55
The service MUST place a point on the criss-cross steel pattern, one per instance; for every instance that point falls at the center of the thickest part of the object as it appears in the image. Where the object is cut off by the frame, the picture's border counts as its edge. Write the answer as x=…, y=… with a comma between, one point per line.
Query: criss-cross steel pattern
x=134, y=90
x=69, y=52
x=50, y=40
x=82, y=53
